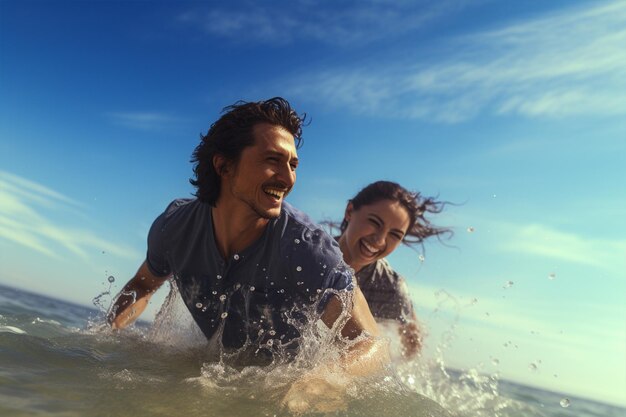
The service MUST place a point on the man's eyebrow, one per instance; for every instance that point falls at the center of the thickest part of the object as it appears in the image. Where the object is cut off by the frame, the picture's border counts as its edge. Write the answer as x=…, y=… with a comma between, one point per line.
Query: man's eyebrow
x=281, y=155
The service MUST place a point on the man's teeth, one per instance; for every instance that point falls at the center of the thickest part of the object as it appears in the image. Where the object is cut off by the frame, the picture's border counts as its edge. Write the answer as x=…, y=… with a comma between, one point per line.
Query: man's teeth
x=275, y=193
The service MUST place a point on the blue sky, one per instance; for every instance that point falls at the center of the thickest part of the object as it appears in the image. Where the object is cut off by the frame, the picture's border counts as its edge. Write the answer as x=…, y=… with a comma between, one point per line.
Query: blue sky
x=512, y=110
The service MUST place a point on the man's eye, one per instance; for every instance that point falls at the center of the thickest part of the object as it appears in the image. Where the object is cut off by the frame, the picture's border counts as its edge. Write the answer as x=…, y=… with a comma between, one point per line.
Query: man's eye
x=294, y=166
x=374, y=222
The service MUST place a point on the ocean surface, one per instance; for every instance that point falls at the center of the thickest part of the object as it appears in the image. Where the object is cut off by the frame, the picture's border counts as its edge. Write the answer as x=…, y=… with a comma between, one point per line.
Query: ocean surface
x=59, y=359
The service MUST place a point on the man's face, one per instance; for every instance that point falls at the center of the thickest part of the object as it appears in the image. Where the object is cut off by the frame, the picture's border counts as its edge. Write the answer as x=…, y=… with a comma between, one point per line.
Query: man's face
x=266, y=171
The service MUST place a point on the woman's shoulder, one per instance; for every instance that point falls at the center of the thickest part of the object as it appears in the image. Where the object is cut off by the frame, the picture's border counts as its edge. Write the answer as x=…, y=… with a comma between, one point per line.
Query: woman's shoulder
x=384, y=269
x=379, y=275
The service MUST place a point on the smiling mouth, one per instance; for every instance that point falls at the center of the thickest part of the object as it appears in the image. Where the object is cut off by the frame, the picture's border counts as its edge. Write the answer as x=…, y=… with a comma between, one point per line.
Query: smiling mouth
x=274, y=192
x=369, y=250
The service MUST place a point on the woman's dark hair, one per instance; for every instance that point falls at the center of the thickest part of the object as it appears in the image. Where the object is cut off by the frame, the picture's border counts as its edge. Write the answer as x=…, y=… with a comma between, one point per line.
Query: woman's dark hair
x=417, y=206
x=233, y=132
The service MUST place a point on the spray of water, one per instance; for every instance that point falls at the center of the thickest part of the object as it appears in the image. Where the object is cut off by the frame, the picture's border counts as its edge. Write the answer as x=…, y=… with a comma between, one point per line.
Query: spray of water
x=406, y=387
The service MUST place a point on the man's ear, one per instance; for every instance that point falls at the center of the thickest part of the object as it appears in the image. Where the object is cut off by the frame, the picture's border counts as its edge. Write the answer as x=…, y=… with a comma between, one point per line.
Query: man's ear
x=220, y=164
x=349, y=210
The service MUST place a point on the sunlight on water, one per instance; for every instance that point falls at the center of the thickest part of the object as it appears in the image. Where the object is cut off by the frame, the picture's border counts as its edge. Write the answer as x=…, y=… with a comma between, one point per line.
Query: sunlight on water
x=427, y=382
x=52, y=365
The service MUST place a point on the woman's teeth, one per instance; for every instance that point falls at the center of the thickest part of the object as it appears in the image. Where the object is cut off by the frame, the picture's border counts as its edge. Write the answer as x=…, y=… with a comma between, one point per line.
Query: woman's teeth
x=372, y=250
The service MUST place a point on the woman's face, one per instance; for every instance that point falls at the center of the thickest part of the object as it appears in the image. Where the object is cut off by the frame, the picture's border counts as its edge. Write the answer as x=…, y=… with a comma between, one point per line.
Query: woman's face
x=373, y=232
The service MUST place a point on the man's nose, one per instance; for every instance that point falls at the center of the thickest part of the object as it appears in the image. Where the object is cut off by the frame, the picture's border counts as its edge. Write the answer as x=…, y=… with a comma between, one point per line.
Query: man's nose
x=287, y=175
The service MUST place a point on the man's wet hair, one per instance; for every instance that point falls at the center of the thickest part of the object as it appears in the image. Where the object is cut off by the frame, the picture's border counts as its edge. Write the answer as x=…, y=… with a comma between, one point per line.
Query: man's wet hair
x=233, y=132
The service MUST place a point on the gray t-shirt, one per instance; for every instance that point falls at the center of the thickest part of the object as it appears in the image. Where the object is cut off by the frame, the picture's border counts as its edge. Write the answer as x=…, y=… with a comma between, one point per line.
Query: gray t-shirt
x=250, y=297
x=386, y=292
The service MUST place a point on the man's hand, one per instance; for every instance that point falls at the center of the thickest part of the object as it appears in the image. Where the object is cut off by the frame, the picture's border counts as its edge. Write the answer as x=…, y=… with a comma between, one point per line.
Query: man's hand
x=321, y=390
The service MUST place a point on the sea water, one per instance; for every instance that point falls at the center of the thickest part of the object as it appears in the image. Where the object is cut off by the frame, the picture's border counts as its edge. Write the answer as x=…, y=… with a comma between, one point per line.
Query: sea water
x=59, y=359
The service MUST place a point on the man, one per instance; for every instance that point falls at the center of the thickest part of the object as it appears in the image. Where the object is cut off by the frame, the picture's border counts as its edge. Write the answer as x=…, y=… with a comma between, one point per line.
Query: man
x=246, y=263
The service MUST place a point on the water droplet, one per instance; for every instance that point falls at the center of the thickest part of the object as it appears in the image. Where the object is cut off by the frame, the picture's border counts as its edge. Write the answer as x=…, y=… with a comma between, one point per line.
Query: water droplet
x=532, y=366
x=299, y=282
x=565, y=402
x=204, y=309
x=495, y=361
x=421, y=258
x=143, y=278
x=272, y=332
x=219, y=276
x=111, y=279
x=272, y=283
x=508, y=284
x=494, y=196
x=236, y=256
x=237, y=286
x=282, y=291
x=470, y=229
x=252, y=288
x=410, y=380
x=319, y=290
x=297, y=241
x=224, y=315
x=223, y=297
x=552, y=276
x=214, y=292
x=298, y=268
x=198, y=305
x=474, y=301
x=270, y=342
x=324, y=266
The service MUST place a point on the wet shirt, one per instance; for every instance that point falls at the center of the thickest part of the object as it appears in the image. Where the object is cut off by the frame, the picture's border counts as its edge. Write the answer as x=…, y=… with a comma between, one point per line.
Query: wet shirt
x=248, y=298
x=386, y=292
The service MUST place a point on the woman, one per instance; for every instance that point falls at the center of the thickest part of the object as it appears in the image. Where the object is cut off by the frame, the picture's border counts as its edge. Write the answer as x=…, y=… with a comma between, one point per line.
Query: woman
x=379, y=218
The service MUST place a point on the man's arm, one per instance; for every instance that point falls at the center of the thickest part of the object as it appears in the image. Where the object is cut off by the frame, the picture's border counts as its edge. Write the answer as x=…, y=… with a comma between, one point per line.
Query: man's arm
x=323, y=389
x=134, y=297
x=369, y=355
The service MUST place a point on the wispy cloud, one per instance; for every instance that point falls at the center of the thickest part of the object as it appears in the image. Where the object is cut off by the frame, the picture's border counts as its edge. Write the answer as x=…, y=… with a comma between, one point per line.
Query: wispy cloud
x=533, y=320
x=565, y=64
x=547, y=242
x=343, y=23
x=22, y=203
x=144, y=120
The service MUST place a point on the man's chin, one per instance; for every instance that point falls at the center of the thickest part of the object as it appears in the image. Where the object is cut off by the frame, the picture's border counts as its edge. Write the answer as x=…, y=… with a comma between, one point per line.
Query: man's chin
x=269, y=214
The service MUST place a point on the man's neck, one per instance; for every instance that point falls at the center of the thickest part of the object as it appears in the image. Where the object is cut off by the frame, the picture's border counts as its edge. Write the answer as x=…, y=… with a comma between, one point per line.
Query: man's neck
x=236, y=228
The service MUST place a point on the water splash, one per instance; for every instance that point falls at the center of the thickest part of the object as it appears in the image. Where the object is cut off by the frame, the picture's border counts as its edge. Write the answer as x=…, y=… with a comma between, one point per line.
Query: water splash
x=470, y=393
